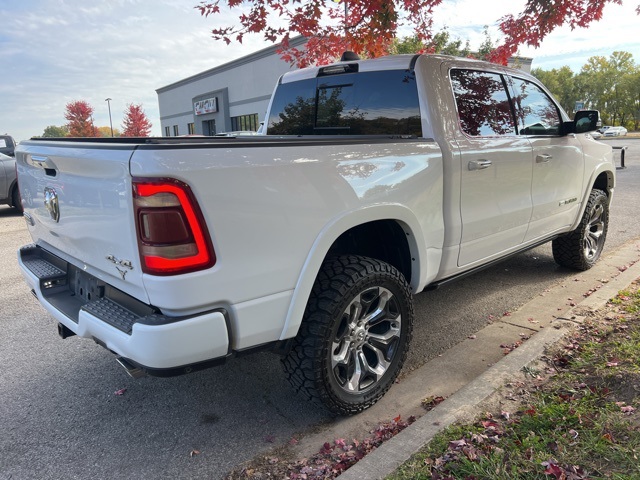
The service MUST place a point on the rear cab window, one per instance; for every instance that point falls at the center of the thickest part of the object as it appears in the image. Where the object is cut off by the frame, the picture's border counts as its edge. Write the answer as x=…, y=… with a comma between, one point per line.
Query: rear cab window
x=367, y=103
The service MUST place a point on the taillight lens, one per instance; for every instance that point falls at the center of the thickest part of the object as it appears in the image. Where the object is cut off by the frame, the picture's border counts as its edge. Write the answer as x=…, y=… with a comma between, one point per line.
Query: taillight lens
x=172, y=235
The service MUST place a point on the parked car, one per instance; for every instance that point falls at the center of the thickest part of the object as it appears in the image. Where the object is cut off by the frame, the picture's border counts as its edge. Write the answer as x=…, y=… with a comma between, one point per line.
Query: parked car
x=615, y=132
x=596, y=135
x=238, y=133
x=9, y=194
x=7, y=145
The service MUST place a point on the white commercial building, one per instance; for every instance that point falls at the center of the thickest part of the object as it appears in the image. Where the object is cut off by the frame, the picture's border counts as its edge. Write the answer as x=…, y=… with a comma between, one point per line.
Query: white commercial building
x=231, y=97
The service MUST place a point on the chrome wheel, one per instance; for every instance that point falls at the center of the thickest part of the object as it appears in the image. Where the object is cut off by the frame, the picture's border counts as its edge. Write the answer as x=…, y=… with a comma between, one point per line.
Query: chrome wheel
x=366, y=339
x=581, y=248
x=354, y=336
x=594, y=233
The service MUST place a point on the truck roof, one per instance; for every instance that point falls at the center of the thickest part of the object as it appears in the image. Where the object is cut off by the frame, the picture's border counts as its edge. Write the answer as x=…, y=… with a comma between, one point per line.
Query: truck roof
x=392, y=62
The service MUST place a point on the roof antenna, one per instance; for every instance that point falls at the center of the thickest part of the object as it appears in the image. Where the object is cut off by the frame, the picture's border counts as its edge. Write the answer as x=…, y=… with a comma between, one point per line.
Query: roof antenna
x=349, y=56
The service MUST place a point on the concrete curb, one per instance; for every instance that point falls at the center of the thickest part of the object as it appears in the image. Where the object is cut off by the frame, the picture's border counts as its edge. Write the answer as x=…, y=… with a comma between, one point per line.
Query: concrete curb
x=465, y=403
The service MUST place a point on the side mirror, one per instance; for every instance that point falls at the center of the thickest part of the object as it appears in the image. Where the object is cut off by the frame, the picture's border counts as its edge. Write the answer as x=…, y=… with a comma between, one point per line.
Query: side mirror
x=584, y=121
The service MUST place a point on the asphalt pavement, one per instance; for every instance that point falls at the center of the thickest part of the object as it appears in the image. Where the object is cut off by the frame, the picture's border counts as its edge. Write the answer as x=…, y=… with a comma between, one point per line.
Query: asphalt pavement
x=61, y=418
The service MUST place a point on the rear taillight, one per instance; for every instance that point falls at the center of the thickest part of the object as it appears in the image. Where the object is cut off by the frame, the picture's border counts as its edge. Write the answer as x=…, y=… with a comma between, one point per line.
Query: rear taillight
x=172, y=235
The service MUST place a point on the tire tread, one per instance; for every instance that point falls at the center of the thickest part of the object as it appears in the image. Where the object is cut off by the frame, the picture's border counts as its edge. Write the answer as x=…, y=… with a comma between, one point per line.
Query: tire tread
x=568, y=249
x=304, y=363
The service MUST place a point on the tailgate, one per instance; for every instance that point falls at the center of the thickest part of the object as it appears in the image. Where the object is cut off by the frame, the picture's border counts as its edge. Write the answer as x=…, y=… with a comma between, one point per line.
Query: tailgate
x=78, y=205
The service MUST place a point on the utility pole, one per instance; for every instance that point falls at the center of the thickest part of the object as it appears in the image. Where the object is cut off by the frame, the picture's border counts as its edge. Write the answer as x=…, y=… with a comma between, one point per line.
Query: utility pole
x=108, y=100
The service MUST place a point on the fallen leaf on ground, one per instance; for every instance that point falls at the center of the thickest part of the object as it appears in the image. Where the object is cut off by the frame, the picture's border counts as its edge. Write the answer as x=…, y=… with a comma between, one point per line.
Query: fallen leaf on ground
x=430, y=402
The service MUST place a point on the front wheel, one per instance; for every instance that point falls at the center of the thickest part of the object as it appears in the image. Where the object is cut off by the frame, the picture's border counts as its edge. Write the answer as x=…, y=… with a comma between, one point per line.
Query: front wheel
x=354, y=335
x=581, y=248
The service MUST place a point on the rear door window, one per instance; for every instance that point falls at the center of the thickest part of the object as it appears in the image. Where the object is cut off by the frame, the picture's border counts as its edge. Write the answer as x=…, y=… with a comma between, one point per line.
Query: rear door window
x=483, y=103
x=367, y=103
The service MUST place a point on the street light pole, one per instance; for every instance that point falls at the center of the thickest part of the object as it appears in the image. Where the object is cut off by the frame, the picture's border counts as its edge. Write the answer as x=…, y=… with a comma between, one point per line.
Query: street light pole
x=108, y=100
x=346, y=12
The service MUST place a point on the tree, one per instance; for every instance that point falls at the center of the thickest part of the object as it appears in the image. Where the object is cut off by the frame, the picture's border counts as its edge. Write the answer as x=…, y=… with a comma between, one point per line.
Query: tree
x=540, y=17
x=610, y=85
x=562, y=83
x=602, y=85
x=368, y=27
x=406, y=45
x=55, y=131
x=106, y=132
x=440, y=43
x=632, y=84
x=79, y=114
x=135, y=123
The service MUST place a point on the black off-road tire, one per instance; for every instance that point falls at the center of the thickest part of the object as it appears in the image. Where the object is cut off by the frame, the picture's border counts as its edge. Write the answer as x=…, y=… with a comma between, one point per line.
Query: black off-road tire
x=581, y=248
x=356, y=303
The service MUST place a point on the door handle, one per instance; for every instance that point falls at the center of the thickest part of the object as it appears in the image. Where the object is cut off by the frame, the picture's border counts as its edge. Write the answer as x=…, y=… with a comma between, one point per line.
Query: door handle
x=479, y=164
x=543, y=158
x=42, y=162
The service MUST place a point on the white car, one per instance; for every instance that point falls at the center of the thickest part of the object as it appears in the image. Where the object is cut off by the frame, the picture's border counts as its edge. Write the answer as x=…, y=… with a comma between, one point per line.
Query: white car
x=615, y=132
x=238, y=133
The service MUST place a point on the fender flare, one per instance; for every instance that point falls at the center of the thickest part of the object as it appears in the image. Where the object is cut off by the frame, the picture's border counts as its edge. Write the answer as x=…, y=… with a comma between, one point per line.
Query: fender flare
x=421, y=256
x=602, y=168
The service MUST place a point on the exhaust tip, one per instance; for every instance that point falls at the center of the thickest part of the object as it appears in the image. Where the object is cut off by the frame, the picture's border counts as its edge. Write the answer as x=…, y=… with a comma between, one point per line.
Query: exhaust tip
x=132, y=370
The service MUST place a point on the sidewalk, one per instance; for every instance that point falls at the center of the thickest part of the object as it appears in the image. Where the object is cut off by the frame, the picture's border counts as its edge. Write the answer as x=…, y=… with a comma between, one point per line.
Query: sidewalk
x=616, y=273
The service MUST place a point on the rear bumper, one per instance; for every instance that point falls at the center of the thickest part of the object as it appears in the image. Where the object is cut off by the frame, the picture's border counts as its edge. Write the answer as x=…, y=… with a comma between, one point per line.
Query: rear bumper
x=129, y=328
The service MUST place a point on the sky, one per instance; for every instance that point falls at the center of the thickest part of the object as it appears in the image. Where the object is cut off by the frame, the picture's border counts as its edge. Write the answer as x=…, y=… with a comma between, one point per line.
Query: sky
x=53, y=52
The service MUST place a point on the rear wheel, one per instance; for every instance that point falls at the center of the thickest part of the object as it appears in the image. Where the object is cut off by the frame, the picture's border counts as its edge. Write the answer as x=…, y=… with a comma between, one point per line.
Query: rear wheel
x=581, y=248
x=354, y=335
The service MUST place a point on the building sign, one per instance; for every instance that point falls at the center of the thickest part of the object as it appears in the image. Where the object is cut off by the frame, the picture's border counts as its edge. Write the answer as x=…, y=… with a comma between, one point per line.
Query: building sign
x=208, y=105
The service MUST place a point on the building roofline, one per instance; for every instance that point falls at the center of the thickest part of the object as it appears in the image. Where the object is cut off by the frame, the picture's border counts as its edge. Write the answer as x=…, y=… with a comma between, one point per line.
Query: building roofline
x=265, y=52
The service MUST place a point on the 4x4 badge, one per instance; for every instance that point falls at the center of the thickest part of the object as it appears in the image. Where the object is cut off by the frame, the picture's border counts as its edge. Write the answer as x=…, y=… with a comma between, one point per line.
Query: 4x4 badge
x=126, y=264
x=51, y=202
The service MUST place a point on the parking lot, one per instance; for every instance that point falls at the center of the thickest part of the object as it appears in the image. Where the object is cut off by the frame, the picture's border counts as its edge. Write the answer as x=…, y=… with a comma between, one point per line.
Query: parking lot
x=61, y=416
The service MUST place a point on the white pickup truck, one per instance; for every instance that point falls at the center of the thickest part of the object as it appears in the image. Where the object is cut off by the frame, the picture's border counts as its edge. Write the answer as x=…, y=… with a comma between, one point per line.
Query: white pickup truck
x=375, y=180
